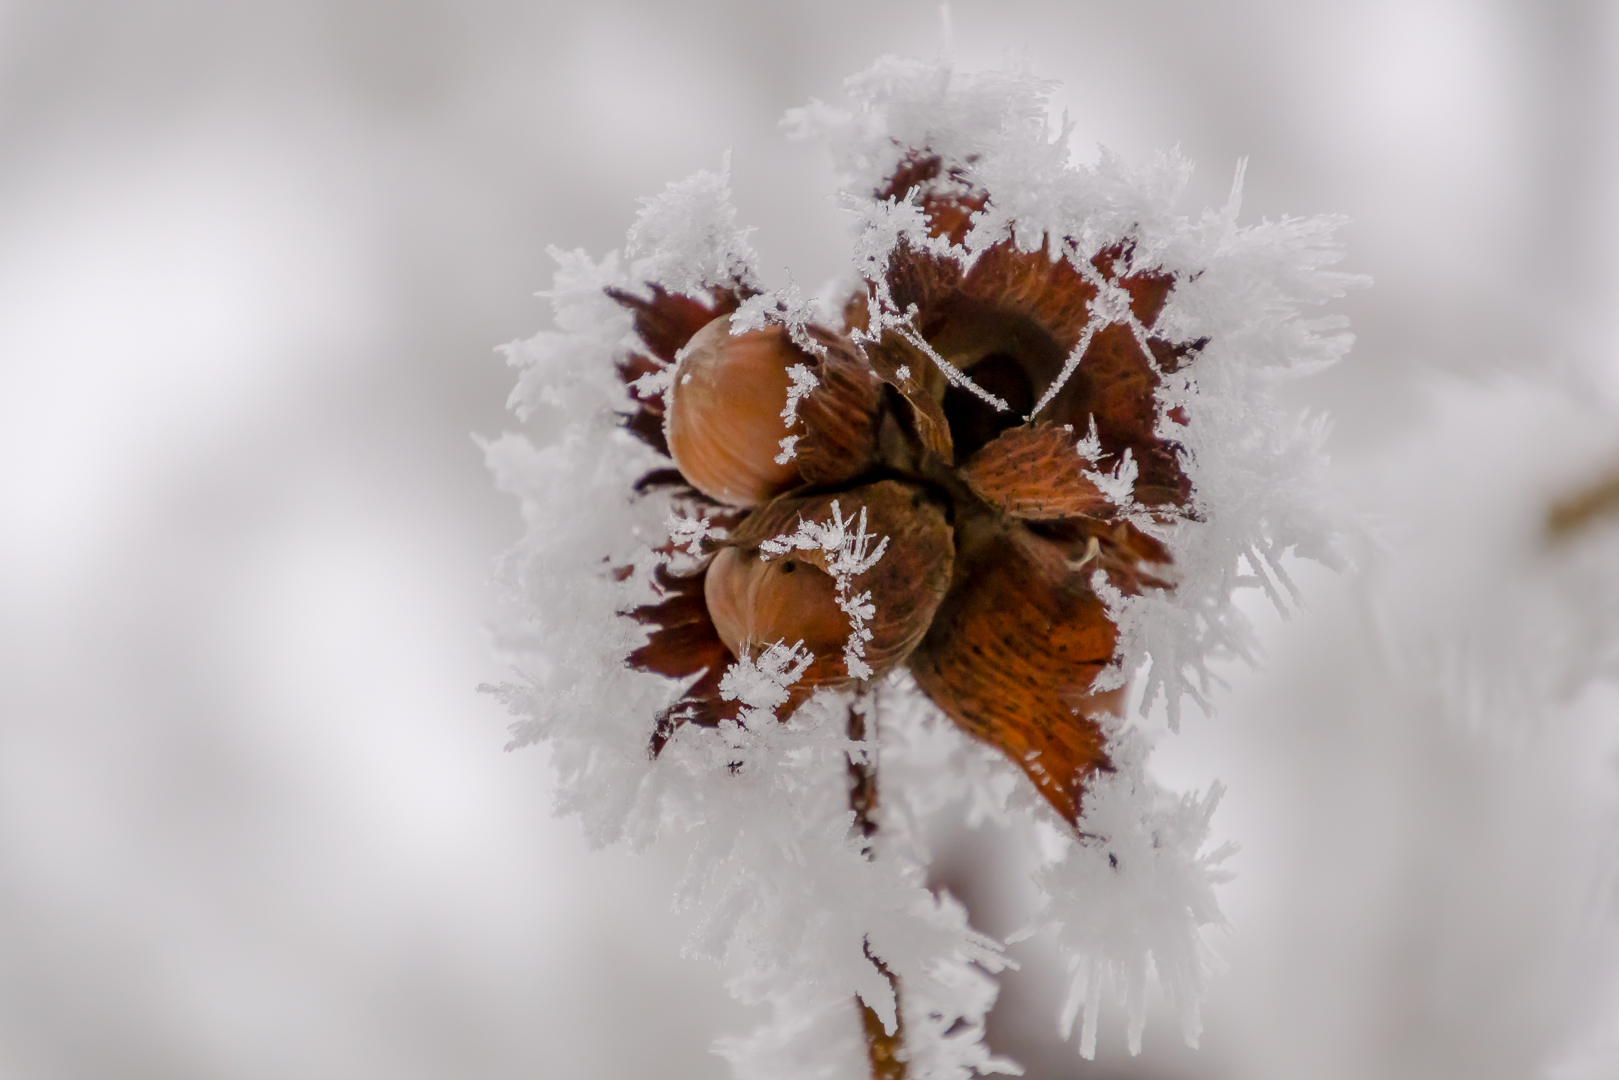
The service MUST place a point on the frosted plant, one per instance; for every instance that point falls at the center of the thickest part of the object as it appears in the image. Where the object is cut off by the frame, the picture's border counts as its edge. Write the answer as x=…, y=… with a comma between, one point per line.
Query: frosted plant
x=1513, y=608
x=931, y=530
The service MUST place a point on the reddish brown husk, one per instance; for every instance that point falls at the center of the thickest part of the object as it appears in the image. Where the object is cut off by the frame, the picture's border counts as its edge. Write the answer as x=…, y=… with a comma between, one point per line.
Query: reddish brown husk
x=683, y=643
x=1033, y=307
x=995, y=529
x=1012, y=657
x=664, y=324
x=841, y=418
x=1035, y=472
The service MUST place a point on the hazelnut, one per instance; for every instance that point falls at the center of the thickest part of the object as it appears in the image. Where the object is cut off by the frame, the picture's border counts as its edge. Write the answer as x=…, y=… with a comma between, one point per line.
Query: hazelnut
x=756, y=599
x=723, y=422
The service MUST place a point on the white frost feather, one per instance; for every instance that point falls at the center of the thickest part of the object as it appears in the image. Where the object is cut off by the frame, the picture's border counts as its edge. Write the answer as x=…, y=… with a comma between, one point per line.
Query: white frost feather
x=1131, y=900
x=690, y=532
x=852, y=555
x=761, y=683
x=687, y=239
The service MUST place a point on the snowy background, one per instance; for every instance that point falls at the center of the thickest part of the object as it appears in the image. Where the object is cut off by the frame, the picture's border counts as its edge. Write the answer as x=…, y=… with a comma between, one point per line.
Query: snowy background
x=254, y=261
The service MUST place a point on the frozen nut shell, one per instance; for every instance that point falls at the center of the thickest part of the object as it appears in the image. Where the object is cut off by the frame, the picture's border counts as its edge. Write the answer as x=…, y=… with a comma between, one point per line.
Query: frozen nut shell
x=757, y=599
x=723, y=421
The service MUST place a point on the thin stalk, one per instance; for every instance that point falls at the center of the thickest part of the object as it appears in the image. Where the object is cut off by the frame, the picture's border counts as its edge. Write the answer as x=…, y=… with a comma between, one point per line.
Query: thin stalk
x=1585, y=507
x=884, y=1051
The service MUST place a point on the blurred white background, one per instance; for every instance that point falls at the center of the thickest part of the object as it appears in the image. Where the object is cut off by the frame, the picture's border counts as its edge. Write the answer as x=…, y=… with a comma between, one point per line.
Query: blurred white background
x=254, y=261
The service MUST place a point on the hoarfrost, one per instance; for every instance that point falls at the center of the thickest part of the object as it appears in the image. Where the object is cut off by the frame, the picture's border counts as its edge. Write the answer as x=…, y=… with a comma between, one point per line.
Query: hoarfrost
x=803, y=381
x=687, y=239
x=791, y=902
x=851, y=555
x=851, y=550
x=690, y=532
x=1132, y=898
x=785, y=307
x=954, y=375
x=761, y=684
x=1119, y=486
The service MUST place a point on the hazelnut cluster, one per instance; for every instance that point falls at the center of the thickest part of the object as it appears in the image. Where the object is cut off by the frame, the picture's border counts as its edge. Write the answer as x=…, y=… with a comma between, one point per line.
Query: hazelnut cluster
x=967, y=438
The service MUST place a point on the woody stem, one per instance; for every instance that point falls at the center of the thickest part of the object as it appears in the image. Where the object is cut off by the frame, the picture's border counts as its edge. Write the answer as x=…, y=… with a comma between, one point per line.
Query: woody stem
x=1585, y=507
x=882, y=1049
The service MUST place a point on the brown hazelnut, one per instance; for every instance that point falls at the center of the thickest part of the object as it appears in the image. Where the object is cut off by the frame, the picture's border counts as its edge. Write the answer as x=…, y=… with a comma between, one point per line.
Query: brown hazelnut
x=723, y=422
x=756, y=598
x=756, y=601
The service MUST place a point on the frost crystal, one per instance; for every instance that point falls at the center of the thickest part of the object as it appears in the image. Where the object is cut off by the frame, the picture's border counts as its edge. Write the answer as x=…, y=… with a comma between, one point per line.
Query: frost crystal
x=785, y=307
x=1139, y=891
x=803, y=382
x=761, y=684
x=690, y=532
x=815, y=903
x=1118, y=486
x=852, y=555
x=687, y=238
x=851, y=552
x=953, y=375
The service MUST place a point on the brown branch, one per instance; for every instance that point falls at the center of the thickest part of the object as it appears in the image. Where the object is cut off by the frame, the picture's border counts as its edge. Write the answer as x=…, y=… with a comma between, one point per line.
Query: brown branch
x=1579, y=510
x=885, y=1051
x=863, y=772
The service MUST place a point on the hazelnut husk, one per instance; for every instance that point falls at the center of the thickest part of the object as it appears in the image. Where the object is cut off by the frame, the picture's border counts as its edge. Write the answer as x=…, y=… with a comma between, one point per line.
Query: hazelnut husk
x=990, y=495
x=1014, y=658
